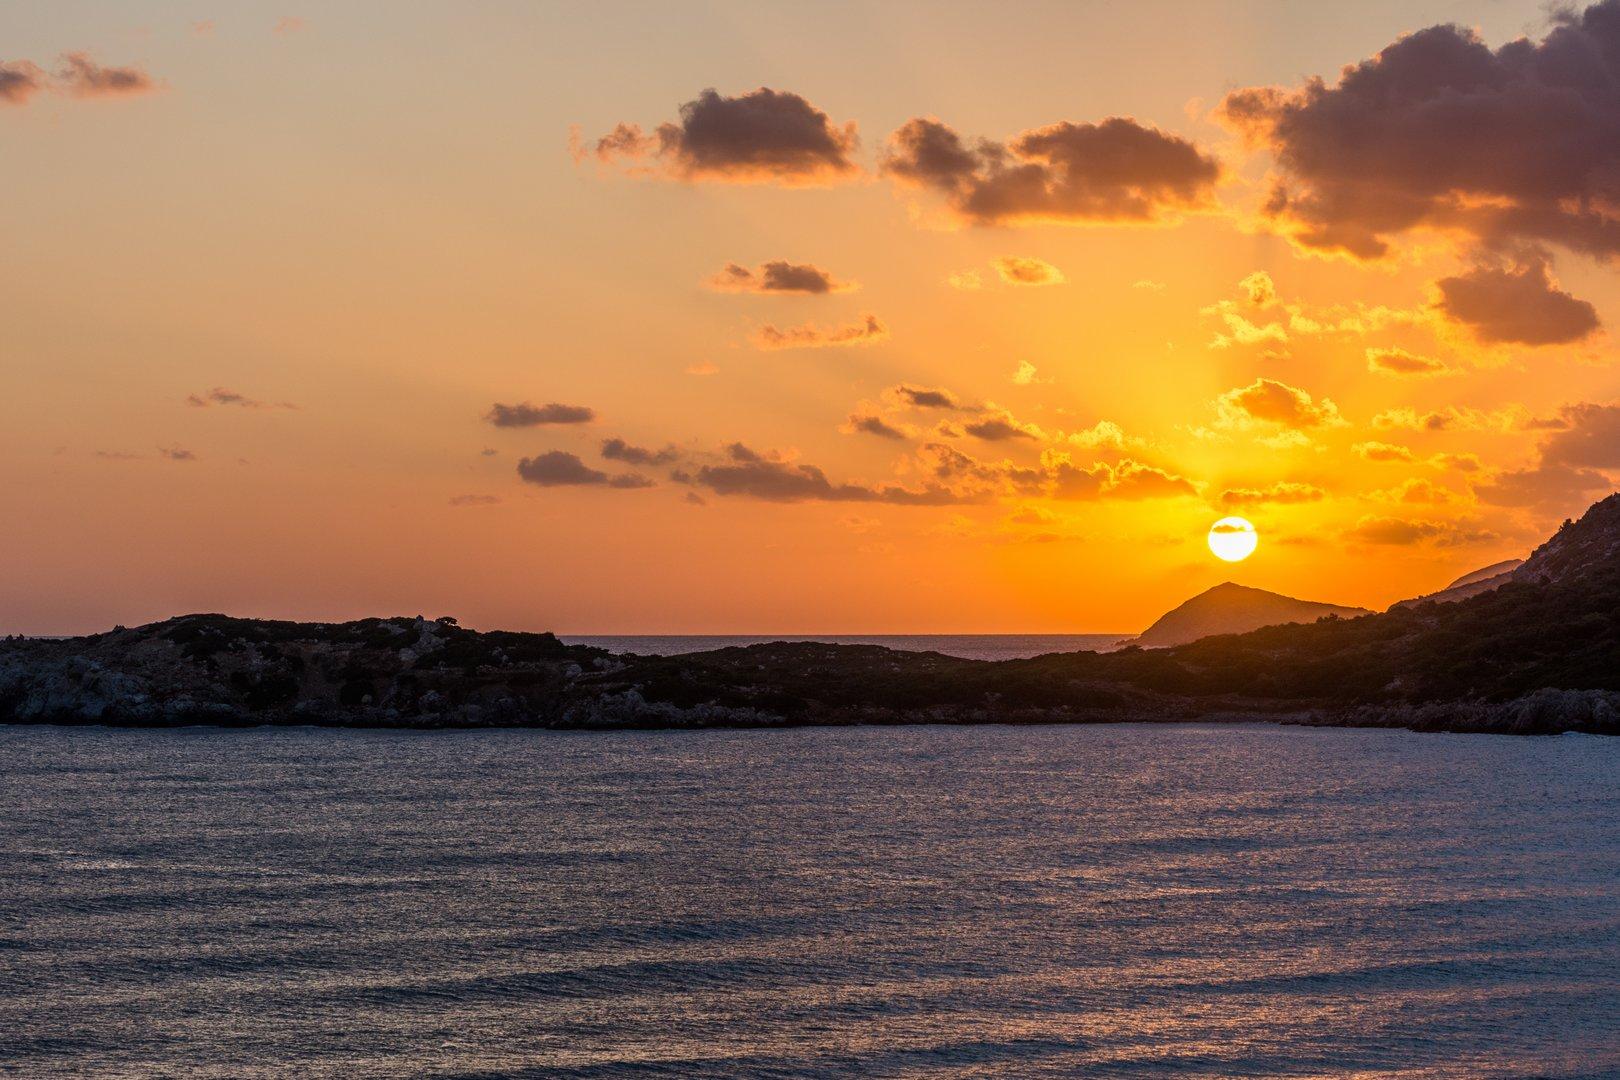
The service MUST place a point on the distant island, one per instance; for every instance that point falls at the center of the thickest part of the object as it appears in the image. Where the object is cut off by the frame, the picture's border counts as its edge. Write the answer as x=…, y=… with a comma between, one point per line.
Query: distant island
x=1532, y=649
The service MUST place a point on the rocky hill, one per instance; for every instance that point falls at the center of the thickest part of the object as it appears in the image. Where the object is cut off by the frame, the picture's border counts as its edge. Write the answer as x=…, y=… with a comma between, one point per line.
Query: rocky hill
x=1235, y=609
x=1540, y=653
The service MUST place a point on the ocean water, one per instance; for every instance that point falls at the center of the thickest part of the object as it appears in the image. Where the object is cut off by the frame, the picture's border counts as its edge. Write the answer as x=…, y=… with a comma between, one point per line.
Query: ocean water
x=1109, y=901
x=970, y=646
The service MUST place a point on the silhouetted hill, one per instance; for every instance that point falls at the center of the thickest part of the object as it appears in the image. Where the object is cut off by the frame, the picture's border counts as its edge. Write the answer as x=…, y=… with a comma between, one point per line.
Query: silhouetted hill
x=1229, y=608
x=1540, y=653
x=1485, y=573
x=1471, y=584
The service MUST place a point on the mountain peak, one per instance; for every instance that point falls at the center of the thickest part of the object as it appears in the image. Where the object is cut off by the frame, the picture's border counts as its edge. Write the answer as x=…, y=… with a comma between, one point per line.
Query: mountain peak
x=1230, y=608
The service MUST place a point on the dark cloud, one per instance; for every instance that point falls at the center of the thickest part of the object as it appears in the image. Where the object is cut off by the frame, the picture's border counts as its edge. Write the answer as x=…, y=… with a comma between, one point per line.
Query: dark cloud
x=1589, y=437
x=1057, y=476
x=872, y=424
x=1439, y=130
x=869, y=331
x=1519, y=305
x=83, y=77
x=1116, y=170
x=524, y=414
x=1580, y=442
x=219, y=395
x=558, y=468
x=778, y=277
x=754, y=475
x=922, y=397
x=19, y=81
x=474, y=500
x=78, y=75
x=618, y=450
x=1546, y=485
x=1000, y=427
x=763, y=136
x=176, y=453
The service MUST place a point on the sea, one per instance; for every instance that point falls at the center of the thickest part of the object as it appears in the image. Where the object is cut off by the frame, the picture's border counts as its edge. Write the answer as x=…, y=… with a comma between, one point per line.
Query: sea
x=1097, y=901
x=968, y=646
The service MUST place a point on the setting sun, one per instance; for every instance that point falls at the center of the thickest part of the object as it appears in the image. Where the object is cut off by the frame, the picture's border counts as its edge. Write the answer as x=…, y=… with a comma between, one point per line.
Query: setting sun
x=1233, y=539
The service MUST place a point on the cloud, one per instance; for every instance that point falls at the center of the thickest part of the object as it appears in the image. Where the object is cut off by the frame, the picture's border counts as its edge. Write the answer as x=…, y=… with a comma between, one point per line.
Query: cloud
x=617, y=449
x=78, y=75
x=1133, y=480
x=1399, y=362
x=1023, y=270
x=558, y=468
x=922, y=397
x=1545, y=485
x=1025, y=375
x=20, y=80
x=1114, y=171
x=524, y=414
x=1440, y=131
x=778, y=277
x=1418, y=491
x=1588, y=436
x=1057, y=476
x=1259, y=290
x=290, y=24
x=703, y=367
x=1394, y=531
x=1451, y=418
x=1149, y=286
x=1579, y=444
x=1464, y=463
x=869, y=331
x=1282, y=493
x=872, y=424
x=474, y=500
x=176, y=453
x=1380, y=451
x=83, y=77
x=762, y=137
x=1271, y=402
x=754, y=475
x=1515, y=305
x=219, y=395
x=1104, y=433
x=1001, y=426
x=966, y=280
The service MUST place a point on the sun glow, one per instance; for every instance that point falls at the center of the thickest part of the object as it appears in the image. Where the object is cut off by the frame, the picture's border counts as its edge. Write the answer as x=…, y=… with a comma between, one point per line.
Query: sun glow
x=1233, y=539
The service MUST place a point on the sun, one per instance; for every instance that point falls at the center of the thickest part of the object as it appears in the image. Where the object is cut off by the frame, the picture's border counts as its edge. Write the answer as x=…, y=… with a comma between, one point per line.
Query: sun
x=1233, y=539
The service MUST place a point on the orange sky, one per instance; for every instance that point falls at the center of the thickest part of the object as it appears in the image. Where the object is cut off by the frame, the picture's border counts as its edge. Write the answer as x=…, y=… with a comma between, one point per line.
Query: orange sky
x=974, y=323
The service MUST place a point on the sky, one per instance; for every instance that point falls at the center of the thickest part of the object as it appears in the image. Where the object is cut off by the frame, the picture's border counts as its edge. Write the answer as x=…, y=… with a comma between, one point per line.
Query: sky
x=773, y=318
